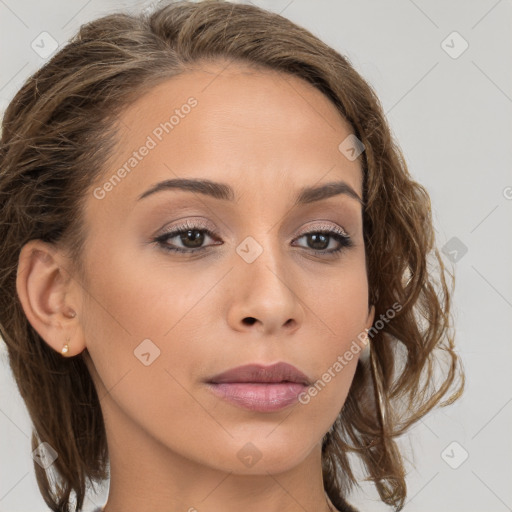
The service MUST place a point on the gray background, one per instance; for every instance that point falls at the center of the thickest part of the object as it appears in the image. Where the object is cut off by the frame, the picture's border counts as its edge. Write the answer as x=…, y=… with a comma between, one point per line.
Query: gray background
x=452, y=119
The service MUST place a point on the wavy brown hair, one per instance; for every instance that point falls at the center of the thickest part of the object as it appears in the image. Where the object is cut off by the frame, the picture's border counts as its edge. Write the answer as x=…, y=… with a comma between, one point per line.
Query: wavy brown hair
x=57, y=135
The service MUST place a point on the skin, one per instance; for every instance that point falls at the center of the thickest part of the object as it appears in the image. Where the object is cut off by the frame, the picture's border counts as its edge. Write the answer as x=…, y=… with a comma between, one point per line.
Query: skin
x=174, y=446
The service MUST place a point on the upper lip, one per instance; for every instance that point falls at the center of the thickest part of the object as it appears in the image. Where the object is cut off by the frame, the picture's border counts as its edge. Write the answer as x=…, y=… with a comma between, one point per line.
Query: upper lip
x=279, y=372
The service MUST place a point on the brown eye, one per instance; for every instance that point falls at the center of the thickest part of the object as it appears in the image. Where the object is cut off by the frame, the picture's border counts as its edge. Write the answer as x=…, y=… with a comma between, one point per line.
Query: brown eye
x=193, y=237
x=320, y=240
x=188, y=238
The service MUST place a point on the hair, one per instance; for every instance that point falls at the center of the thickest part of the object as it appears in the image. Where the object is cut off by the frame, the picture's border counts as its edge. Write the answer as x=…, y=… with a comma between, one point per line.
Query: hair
x=57, y=135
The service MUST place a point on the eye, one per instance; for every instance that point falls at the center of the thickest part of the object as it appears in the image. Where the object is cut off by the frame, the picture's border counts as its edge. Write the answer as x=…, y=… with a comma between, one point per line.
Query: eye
x=189, y=235
x=320, y=239
x=192, y=237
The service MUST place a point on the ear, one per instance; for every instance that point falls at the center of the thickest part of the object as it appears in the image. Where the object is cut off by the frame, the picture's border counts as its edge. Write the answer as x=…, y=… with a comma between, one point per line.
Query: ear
x=49, y=297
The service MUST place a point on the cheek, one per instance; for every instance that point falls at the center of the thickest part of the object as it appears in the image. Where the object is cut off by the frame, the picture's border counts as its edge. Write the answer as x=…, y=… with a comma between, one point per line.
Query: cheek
x=338, y=316
x=144, y=317
x=137, y=333
x=339, y=300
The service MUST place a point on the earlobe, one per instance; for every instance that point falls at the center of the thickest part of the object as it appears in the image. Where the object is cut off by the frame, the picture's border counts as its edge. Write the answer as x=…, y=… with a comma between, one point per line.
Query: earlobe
x=42, y=286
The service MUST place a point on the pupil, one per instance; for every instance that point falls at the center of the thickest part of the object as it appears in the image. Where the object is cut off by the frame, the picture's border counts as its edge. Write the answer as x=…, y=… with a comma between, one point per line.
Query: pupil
x=324, y=243
x=197, y=240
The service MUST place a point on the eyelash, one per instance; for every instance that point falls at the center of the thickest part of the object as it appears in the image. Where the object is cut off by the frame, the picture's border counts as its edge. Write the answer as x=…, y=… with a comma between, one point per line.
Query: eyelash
x=336, y=233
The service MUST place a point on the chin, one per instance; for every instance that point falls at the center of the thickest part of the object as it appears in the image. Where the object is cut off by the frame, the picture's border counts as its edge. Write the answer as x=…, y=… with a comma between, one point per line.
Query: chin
x=263, y=454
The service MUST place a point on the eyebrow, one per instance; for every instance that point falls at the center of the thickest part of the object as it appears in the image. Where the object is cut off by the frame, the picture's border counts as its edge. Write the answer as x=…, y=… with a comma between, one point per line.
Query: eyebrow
x=224, y=192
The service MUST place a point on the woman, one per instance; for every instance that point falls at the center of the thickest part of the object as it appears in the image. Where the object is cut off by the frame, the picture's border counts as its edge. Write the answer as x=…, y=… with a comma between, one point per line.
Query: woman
x=217, y=277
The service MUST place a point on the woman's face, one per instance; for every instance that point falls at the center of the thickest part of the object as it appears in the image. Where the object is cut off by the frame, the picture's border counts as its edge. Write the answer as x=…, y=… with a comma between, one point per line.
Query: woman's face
x=254, y=288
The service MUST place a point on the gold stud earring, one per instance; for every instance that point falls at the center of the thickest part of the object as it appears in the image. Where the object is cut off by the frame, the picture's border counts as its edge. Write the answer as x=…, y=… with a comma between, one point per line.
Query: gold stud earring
x=65, y=348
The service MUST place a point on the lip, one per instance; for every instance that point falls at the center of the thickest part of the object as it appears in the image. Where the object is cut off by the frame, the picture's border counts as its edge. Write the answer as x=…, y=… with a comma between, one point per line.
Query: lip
x=260, y=388
x=274, y=373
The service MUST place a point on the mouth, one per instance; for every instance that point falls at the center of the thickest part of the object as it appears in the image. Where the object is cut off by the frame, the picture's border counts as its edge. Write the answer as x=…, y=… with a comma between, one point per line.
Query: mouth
x=260, y=388
x=256, y=373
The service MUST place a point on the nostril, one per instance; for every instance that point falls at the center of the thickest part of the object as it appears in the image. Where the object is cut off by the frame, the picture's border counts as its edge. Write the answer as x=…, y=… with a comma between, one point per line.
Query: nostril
x=249, y=320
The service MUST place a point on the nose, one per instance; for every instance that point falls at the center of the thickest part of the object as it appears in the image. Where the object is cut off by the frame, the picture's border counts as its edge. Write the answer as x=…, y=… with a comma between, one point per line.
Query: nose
x=265, y=295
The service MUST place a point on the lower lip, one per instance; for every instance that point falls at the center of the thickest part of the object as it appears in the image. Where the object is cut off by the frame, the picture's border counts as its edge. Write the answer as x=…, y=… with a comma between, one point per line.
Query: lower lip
x=264, y=397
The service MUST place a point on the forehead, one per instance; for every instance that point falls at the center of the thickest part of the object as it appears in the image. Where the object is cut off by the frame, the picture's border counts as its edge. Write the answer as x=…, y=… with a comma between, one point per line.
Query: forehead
x=234, y=88
x=256, y=128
